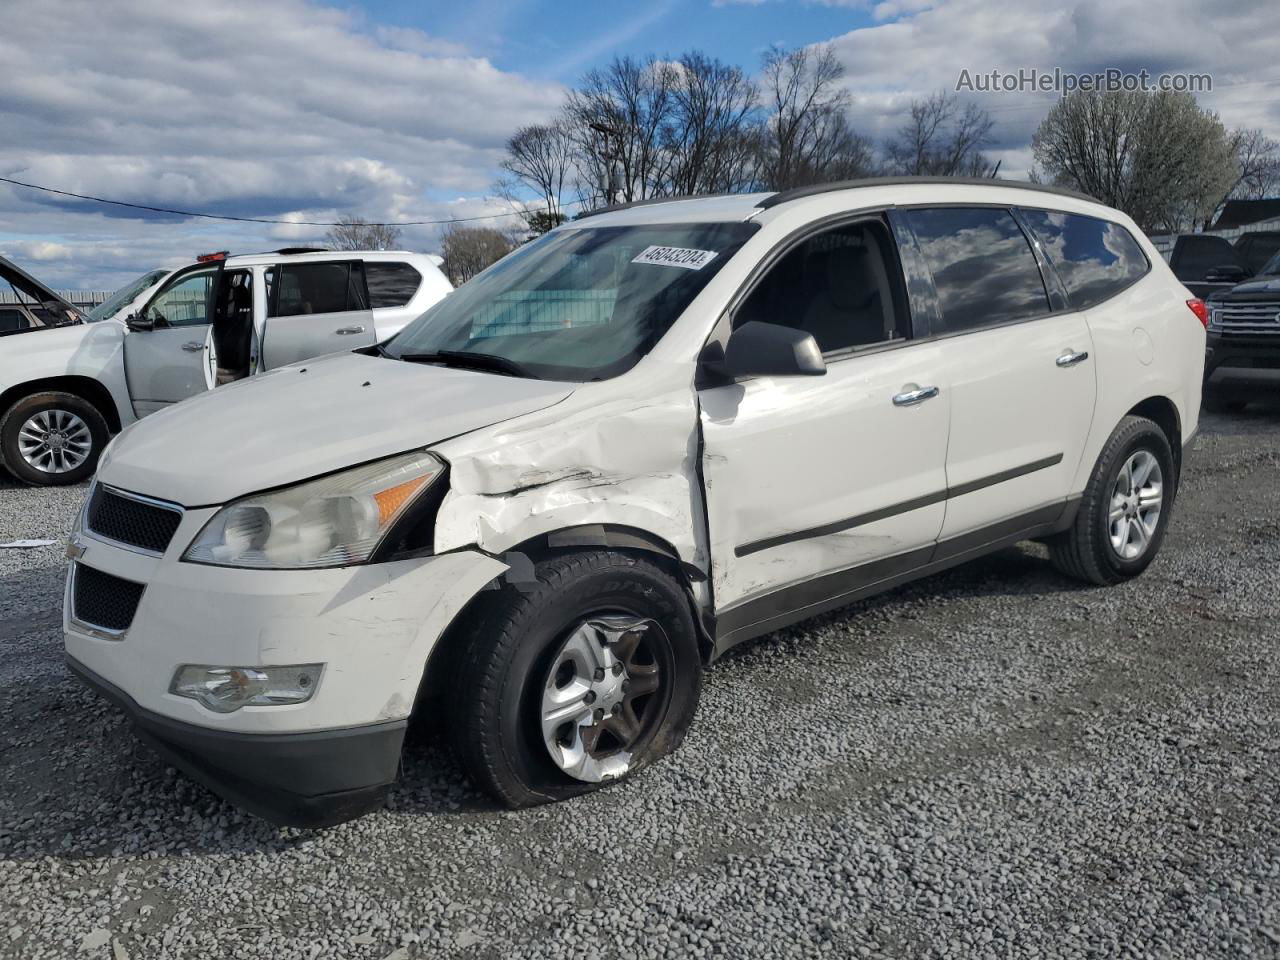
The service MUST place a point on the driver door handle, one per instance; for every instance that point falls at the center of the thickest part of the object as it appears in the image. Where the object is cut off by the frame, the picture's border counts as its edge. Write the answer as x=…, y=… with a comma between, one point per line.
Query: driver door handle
x=191, y=346
x=346, y=331
x=911, y=397
x=1071, y=358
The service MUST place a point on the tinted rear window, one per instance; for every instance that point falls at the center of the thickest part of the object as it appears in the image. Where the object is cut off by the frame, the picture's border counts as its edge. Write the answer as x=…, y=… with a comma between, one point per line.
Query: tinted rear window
x=982, y=266
x=316, y=288
x=391, y=284
x=1193, y=257
x=1096, y=259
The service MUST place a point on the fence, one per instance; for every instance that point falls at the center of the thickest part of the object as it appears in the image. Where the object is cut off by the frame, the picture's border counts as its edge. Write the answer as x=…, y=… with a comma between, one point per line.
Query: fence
x=81, y=298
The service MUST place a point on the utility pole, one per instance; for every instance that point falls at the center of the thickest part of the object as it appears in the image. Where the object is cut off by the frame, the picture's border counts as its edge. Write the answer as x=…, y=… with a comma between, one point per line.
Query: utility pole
x=611, y=181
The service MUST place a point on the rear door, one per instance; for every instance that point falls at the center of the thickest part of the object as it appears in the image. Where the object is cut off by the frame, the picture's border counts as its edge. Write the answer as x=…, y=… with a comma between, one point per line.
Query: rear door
x=170, y=362
x=1018, y=364
x=817, y=486
x=315, y=307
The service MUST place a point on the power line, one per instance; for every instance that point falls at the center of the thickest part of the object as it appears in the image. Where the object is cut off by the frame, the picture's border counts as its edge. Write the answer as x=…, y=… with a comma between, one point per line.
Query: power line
x=215, y=216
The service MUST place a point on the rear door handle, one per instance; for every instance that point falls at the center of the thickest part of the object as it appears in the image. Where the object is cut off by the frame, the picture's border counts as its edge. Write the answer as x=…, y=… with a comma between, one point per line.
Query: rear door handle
x=1071, y=358
x=347, y=331
x=910, y=398
x=191, y=346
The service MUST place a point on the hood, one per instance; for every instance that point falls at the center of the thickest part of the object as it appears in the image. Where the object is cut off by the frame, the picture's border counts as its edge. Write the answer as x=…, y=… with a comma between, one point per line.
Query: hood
x=11, y=273
x=309, y=419
x=1259, y=288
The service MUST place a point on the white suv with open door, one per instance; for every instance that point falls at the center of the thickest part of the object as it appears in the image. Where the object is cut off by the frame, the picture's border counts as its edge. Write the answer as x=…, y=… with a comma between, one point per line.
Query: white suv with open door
x=647, y=436
x=65, y=389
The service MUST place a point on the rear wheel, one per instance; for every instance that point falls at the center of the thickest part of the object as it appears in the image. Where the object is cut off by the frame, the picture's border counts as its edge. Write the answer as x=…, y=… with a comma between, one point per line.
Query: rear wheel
x=1125, y=509
x=52, y=438
x=576, y=680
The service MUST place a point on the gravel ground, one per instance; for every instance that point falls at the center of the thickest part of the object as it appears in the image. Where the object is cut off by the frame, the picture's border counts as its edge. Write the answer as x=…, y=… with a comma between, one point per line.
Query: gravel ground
x=991, y=762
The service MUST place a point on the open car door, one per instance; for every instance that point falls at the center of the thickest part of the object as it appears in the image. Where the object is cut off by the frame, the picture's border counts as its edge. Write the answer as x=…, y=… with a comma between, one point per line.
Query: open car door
x=40, y=303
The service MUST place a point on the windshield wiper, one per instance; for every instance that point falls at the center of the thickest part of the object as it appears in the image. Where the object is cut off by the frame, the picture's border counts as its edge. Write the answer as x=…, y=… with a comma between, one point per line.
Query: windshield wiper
x=472, y=360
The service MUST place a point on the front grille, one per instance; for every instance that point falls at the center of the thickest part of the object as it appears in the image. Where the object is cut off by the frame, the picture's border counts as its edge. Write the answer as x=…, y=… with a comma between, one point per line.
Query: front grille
x=103, y=601
x=1244, y=317
x=137, y=523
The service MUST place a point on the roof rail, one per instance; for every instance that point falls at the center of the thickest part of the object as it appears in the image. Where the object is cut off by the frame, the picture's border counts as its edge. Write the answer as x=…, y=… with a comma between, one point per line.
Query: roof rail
x=799, y=193
x=290, y=251
x=645, y=203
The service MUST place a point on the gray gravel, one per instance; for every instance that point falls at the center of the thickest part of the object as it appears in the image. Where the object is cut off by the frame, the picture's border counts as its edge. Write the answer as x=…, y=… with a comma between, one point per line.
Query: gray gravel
x=993, y=762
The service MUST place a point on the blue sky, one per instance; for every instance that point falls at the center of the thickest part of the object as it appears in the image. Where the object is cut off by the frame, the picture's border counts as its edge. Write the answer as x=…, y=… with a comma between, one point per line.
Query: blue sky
x=398, y=110
x=557, y=41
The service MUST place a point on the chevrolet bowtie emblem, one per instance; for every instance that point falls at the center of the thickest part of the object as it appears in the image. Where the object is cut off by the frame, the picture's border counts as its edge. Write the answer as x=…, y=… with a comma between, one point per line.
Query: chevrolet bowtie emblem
x=75, y=548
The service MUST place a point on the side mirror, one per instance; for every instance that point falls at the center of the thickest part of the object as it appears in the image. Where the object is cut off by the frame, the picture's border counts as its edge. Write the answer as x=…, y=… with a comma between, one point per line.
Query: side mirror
x=139, y=323
x=758, y=349
x=1227, y=273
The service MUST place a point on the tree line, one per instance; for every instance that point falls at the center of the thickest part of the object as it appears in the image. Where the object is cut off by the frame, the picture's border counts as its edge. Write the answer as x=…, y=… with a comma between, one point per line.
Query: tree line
x=646, y=127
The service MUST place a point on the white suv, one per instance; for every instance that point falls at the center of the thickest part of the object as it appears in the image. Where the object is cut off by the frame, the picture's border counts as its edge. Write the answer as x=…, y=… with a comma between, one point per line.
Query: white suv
x=64, y=389
x=650, y=435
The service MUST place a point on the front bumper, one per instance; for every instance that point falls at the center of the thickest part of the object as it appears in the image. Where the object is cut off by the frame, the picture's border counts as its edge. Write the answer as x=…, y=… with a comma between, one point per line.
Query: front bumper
x=313, y=779
x=1240, y=362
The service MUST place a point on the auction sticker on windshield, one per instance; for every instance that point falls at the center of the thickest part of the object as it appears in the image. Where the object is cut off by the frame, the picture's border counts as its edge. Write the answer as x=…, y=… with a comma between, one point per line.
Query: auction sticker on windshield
x=676, y=257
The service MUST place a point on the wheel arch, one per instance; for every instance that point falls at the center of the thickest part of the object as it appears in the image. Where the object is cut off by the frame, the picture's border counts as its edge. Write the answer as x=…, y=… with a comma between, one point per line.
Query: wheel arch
x=1164, y=413
x=86, y=388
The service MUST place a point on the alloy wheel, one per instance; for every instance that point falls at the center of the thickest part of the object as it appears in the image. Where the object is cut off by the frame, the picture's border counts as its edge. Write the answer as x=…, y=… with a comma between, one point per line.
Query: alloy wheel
x=55, y=441
x=600, y=695
x=1136, y=500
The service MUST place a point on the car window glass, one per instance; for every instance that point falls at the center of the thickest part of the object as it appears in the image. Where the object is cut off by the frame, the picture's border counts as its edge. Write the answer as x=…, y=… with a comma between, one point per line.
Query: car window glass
x=391, y=284
x=842, y=286
x=185, y=301
x=316, y=288
x=982, y=266
x=12, y=320
x=1193, y=257
x=1256, y=252
x=1095, y=258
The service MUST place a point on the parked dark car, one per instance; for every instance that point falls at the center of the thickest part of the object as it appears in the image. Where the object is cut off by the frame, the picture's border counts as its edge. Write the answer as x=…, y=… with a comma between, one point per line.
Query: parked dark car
x=1242, y=356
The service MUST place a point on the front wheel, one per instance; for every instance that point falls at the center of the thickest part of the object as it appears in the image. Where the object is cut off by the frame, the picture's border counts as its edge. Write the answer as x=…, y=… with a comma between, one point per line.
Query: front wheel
x=575, y=680
x=53, y=438
x=1125, y=509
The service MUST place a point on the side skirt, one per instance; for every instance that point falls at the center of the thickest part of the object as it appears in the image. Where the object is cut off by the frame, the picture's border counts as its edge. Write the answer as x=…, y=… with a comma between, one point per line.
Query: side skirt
x=800, y=601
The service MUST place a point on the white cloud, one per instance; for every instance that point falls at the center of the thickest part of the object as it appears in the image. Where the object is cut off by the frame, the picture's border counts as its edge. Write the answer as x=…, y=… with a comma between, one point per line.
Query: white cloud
x=246, y=108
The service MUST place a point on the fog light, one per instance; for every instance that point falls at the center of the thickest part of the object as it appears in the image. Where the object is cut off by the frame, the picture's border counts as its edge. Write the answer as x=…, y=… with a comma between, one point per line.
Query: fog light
x=226, y=689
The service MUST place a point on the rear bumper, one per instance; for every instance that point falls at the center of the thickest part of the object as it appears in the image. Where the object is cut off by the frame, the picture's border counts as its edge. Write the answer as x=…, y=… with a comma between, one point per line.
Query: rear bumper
x=311, y=779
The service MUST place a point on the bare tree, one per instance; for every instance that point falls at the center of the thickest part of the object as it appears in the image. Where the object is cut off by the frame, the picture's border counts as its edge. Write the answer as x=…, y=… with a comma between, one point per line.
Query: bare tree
x=807, y=138
x=712, y=135
x=468, y=250
x=618, y=116
x=540, y=159
x=1157, y=156
x=942, y=138
x=1257, y=159
x=356, y=233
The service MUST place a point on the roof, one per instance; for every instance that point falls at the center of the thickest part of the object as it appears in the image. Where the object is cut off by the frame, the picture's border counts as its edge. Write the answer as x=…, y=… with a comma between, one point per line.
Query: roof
x=738, y=207
x=1240, y=213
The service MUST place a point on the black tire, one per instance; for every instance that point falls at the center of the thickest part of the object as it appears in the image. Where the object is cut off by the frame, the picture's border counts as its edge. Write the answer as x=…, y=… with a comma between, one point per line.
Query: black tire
x=512, y=640
x=11, y=423
x=1215, y=404
x=1085, y=552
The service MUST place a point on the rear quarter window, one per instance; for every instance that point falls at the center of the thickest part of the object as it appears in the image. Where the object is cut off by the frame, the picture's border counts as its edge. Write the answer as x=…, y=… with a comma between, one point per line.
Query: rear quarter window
x=1095, y=258
x=391, y=284
x=982, y=266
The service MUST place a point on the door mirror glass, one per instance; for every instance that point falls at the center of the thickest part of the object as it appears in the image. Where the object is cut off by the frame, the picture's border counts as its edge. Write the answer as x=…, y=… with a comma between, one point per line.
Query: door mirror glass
x=758, y=349
x=139, y=323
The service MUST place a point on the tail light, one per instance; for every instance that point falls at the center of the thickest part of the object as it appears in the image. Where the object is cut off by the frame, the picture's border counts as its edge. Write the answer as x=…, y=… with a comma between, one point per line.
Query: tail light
x=1201, y=311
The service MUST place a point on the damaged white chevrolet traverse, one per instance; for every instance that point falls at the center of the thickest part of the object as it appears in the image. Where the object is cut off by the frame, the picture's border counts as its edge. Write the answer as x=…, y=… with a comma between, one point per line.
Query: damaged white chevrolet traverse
x=648, y=436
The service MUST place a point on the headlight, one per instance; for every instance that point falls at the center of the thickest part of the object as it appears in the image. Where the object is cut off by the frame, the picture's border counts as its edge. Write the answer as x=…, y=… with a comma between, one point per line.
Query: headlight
x=334, y=521
x=226, y=689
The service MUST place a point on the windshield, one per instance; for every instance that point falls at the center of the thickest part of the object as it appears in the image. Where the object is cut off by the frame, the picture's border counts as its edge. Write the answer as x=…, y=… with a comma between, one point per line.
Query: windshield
x=1271, y=268
x=124, y=296
x=578, y=304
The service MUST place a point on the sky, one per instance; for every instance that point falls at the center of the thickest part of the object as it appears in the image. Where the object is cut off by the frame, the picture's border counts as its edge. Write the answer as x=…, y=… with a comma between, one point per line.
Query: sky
x=398, y=109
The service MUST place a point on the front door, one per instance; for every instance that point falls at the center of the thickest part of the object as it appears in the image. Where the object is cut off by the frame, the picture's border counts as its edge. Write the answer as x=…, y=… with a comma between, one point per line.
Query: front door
x=170, y=362
x=1020, y=372
x=314, y=308
x=817, y=486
